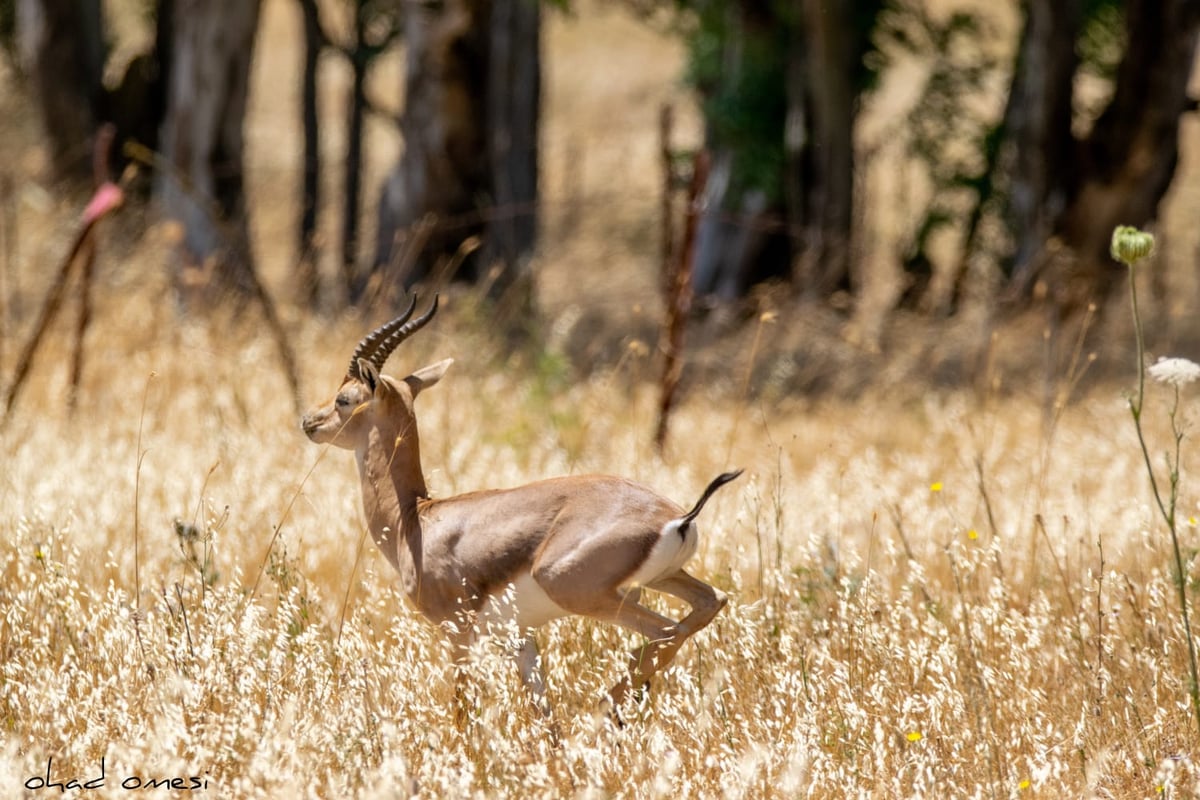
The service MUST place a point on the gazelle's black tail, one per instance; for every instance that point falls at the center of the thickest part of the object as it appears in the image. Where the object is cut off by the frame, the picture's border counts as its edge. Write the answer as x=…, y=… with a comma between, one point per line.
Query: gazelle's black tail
x=717, y=483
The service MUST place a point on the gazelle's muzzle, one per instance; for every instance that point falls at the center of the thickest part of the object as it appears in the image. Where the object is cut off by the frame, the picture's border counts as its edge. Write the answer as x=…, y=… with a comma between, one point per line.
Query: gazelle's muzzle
x=310, y=423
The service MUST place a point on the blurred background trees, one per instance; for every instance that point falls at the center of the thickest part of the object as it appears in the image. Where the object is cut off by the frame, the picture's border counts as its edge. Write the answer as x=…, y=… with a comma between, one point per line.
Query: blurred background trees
x=185, y=97
x=1065, y=171
x=1034, y=139
x=780, y=87
x=470, y=130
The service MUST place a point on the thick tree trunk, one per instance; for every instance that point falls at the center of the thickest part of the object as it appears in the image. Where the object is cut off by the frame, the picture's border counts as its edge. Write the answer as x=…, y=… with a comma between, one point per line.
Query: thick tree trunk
x=469, y=166
x=731, y=235
x=1036, y=157
x=444, y=157
x=61, y=44
x=823, y=103
x=513, y=109
x=746, y=189
x=356, y=282
x=781, y=114
x=211, y=45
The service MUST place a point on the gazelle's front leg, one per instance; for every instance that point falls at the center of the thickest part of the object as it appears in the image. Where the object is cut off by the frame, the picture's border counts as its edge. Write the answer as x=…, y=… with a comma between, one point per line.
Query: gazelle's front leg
x=460, y=640
x=535, y=682
x=463, y=637
x=531, y=674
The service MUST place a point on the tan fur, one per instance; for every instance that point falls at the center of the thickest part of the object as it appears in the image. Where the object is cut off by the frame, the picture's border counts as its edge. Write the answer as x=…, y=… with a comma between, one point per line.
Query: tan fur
x=573, y=545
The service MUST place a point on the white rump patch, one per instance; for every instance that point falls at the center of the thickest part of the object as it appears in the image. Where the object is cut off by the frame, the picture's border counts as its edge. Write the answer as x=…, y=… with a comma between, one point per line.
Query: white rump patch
x=668, y=555
x=522, y=602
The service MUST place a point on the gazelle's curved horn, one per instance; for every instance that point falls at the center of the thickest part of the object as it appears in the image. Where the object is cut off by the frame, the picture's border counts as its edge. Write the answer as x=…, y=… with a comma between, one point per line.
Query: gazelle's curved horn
x=396, y=336
x=373, y=340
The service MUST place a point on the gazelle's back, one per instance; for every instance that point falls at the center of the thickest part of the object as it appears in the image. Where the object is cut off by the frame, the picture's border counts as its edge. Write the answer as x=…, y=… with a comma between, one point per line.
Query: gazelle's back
x=564, y=523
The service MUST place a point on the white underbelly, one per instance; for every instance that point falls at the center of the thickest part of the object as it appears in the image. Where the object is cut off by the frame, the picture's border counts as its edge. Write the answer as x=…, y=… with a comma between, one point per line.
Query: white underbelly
x=522, y=602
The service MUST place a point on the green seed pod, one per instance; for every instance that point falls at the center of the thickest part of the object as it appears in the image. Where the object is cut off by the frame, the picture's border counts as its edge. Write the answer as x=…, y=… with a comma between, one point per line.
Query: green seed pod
x=1129, y=245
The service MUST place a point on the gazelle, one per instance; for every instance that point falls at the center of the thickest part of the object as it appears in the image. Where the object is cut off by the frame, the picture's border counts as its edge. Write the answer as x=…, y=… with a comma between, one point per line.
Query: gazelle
x=583, y=544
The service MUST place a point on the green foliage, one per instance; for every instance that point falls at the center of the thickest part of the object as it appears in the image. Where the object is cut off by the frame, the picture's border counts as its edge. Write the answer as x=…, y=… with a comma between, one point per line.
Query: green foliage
x=1101, y=43
x=1102, y=39
x=952, y=140
x=744, y=61
x=739, y=67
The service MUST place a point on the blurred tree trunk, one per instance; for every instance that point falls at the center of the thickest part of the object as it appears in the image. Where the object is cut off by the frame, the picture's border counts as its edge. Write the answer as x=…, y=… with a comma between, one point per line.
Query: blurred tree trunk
x=469, y=167
x=1037, y=154
x=825, y=79
x=188, y=95
x=62, y=47
x=513, y=106
x=374, y=27
x=211, y=46
x=308, y=287
x=352, y=184
x=743, y=89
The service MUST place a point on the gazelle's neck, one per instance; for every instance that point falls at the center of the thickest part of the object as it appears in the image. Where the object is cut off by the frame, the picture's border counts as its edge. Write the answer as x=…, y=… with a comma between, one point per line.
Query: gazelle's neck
x=392, y=483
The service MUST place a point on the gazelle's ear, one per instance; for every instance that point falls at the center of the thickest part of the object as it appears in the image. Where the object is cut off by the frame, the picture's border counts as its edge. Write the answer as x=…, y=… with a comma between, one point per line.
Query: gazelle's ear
x=369, y=373
x=425, y=377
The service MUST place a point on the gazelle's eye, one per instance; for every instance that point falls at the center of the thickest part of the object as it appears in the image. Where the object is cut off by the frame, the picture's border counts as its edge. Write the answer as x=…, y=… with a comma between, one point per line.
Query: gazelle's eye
x=342, y=401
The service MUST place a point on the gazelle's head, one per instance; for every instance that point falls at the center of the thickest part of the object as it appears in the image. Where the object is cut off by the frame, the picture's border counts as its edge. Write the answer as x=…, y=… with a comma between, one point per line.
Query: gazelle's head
x=367, y=397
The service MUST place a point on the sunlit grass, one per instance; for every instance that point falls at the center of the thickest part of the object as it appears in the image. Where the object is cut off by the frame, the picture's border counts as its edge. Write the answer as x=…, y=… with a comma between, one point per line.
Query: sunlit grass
x=891, y=633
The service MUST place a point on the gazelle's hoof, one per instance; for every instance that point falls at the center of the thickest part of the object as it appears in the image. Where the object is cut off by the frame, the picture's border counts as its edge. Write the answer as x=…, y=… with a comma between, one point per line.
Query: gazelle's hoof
x=611, y=705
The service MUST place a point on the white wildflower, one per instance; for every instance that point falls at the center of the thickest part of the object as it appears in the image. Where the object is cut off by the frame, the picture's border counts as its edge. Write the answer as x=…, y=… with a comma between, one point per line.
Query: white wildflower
x=1177, y=372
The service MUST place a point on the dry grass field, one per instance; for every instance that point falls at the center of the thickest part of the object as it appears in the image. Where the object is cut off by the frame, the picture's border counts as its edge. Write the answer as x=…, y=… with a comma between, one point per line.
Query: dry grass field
x=941, y=597
x=934, y=592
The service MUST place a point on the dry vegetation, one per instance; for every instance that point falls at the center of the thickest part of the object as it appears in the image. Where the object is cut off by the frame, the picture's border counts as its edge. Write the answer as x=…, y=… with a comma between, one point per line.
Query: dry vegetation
x=934, y=594
x=939, y=598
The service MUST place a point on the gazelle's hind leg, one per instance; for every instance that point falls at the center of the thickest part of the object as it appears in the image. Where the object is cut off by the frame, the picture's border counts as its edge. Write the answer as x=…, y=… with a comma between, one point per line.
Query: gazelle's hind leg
x=622, y=607
x=706, y=601
x=657, y=653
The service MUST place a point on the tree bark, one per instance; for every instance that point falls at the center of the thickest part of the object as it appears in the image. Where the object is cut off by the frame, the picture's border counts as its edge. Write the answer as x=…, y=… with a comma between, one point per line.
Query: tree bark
x=470, y=142
x=62, y=46
x=444, y=156
x=356, y=282
x=744, y=99
x=513, y=109
x=211, y=45
x=781, y=111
